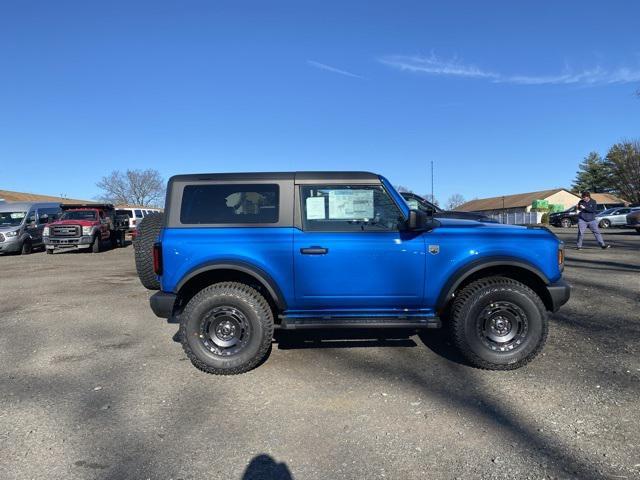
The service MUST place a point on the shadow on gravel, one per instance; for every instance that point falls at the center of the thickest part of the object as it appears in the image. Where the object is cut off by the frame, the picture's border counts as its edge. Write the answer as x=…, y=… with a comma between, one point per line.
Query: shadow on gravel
x=461, y=389
x=574, y=262
x=264, y=467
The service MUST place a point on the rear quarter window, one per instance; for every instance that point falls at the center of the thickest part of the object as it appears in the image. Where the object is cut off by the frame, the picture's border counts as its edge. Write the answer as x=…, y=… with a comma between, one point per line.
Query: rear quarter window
x=230, y=204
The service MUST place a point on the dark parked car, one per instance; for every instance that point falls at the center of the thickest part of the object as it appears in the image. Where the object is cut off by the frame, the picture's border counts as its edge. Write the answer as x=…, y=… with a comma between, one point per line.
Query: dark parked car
x=419, y=203
x=633, y=220
x=569, y=217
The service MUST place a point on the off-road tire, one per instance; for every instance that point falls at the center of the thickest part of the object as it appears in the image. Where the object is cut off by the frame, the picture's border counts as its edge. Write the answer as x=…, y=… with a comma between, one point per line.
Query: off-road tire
x=148, y=232
x=466, y=323
x=604, y=223
x=565, y=223
x=27, y=247
x=95, y=246
x=238, y=296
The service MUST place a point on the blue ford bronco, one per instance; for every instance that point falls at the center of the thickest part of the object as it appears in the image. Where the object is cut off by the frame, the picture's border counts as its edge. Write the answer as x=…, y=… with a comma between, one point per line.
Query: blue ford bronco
x=237, y=255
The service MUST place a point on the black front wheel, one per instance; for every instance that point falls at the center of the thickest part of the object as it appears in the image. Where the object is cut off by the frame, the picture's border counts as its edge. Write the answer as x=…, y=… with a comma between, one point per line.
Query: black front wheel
x=565, y=222
x=226, y=328
x=605, y=223
x=499, y=323
x=27, y=247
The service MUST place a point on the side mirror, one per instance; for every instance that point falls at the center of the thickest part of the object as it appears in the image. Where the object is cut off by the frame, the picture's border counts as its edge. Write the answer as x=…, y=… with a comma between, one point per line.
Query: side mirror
x=420, y=221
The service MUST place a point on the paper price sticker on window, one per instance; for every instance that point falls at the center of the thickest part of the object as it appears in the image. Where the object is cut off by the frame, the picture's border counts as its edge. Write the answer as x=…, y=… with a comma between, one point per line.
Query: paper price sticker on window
x=346, y=204
x=315, y=208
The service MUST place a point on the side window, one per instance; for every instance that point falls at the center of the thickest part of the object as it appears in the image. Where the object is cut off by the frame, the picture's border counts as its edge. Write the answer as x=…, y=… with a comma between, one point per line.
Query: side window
x=348, y=208
x=138, y=213
x=31, y=218
x=230, y=203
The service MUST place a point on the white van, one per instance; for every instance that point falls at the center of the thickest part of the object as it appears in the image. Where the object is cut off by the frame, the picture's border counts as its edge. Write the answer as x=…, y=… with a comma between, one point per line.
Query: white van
x=136, y=214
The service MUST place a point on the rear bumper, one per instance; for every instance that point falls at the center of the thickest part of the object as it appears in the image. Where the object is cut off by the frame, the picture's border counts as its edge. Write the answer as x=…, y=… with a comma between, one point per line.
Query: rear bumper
x=162, y=304
x=559, y=293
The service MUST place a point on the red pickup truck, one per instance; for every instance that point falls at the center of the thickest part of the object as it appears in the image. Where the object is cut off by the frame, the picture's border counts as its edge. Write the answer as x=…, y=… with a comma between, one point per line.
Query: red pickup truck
x=90, y=226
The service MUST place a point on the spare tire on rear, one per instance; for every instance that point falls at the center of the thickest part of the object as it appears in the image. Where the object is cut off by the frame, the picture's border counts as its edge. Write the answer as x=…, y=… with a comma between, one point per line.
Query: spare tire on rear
x=148, y=231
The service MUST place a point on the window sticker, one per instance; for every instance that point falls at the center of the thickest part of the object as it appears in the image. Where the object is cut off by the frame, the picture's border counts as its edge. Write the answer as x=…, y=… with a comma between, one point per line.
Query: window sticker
x=347, y=204
x=17, y=215
x=315, y=208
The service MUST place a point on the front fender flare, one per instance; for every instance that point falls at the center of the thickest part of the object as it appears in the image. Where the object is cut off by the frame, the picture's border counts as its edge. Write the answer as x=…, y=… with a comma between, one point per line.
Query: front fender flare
x=470, y=268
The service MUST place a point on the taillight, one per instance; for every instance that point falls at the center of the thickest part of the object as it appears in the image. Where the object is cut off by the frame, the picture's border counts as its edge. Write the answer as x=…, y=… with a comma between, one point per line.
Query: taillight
x=561, y=257
x=157, y=258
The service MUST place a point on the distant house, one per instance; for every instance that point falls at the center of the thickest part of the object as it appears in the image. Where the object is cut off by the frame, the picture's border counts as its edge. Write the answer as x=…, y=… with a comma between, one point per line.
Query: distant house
x=520, y=202
x=525, y=202
x=10, y=196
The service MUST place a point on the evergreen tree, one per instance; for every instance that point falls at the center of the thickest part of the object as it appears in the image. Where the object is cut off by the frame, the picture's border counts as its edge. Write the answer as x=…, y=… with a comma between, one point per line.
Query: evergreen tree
x=594, y=174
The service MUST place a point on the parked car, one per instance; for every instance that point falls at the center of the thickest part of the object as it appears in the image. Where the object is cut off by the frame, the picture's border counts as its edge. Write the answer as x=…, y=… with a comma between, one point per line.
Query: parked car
x=614, y=217
x=569, y=217
x=136, y=215
x=22, y=224
x=238, y=254
x=86, y=227
x=420, y=203
x=633, y=220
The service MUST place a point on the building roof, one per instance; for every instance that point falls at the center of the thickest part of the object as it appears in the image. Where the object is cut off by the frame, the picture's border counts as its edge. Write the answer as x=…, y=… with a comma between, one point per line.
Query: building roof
x=607, y=198
x=10, y=196
x=507, y=201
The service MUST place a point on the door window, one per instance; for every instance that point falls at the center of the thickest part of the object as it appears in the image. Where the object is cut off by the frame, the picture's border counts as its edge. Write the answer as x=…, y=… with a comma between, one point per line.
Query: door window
x=349, y=208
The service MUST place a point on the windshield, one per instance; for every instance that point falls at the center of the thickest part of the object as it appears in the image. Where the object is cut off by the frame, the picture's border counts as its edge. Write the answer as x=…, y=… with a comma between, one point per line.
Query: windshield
x=11, y=219
x=79, y=215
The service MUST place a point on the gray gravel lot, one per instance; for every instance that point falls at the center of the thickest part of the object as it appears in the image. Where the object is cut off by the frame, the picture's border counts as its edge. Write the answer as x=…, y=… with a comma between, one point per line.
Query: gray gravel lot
x=92, y=385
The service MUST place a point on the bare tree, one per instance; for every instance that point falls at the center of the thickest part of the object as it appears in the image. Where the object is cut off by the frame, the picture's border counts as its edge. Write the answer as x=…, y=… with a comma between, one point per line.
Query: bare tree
x=402, y=189
x=430, y=198
x=455, y=201
x=133, y=187
x=623, y=161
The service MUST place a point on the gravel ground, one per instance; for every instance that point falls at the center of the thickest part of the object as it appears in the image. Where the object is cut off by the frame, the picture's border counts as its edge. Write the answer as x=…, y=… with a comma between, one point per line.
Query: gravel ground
x=92, y=385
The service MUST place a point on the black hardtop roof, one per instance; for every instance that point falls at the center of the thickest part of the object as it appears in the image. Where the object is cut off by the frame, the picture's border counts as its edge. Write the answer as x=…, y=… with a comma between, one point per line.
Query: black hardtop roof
x=297, y=177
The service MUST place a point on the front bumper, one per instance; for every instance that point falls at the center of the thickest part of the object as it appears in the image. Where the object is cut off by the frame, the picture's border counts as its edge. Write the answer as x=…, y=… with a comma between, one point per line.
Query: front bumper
x=13, y=245
x=162, y=304
x=75, y=242
x=559, y=292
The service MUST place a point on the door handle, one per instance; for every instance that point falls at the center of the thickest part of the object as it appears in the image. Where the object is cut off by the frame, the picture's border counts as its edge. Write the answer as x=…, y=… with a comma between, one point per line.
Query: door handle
x=314, y=251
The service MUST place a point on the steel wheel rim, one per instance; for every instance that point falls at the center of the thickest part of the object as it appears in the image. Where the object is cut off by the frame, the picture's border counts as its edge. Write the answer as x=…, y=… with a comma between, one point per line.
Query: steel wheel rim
x=502, y=326
x=225, y=331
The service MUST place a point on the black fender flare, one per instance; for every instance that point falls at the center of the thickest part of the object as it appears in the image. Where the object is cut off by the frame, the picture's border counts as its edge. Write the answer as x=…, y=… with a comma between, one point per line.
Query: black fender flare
x=256, y=272
x=470, y=268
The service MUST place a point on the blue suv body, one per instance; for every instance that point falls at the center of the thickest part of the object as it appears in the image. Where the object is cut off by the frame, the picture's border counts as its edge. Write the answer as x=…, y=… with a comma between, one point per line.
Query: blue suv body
x=240, y=254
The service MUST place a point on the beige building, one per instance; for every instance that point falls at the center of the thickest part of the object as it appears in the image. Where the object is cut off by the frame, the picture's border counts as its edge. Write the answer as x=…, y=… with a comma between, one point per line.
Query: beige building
x=521, y=202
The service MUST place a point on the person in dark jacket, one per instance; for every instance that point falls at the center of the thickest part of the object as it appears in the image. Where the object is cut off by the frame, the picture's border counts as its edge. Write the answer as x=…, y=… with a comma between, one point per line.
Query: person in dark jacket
x=587, y=209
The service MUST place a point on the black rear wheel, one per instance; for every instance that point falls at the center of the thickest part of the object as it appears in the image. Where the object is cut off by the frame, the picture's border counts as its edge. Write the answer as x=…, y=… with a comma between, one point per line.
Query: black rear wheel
x=499, y=323
x=605, y=223
x=148, y=232
x=226, y=328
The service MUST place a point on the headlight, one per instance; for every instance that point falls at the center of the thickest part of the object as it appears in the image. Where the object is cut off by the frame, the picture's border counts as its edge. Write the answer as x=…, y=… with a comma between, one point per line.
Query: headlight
x=11, y=234
x=86, y=230
x=45, y=232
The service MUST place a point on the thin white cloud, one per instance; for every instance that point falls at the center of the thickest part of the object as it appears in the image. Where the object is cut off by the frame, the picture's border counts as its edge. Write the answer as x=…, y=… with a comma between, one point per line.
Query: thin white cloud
x=329, y=68
x=434, y=65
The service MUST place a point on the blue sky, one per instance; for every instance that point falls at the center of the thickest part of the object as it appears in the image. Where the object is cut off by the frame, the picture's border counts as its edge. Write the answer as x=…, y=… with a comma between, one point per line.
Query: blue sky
x=504, y=97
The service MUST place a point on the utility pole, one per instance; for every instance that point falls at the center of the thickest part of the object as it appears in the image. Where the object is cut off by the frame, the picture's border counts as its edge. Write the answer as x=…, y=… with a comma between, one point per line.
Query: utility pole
x=433, y=199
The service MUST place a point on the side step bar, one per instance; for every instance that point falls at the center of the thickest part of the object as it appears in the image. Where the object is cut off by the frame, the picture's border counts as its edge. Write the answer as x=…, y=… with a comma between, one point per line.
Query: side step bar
x=293, y=323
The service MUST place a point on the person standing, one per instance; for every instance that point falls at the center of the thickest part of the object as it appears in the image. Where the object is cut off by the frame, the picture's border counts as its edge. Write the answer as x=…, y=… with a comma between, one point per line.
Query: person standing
x=587, y=209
